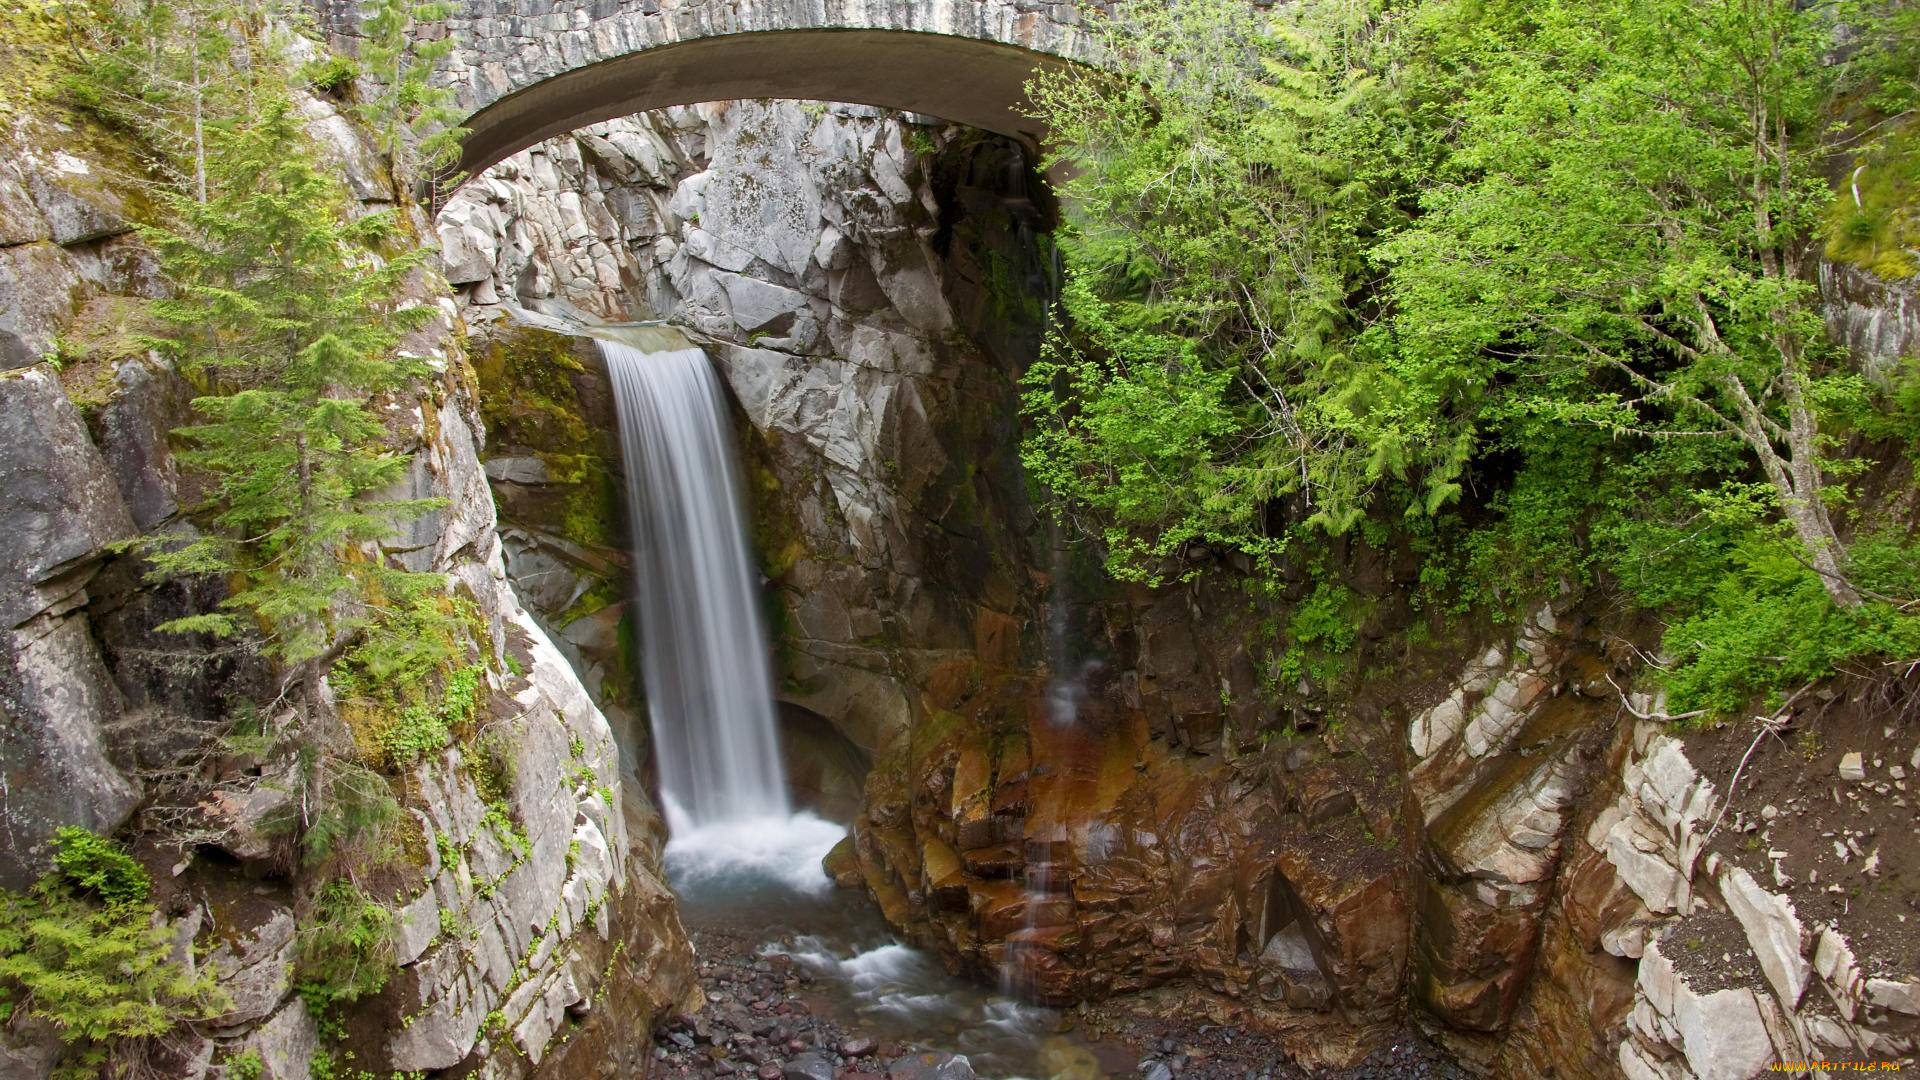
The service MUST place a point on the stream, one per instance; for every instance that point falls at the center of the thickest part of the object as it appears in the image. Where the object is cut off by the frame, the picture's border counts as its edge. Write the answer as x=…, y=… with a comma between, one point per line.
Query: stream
x=762, y=880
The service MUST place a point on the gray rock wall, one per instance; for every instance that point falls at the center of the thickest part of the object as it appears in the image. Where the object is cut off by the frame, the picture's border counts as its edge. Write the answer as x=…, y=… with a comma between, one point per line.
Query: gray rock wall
x=809, y=247
x=522, y=947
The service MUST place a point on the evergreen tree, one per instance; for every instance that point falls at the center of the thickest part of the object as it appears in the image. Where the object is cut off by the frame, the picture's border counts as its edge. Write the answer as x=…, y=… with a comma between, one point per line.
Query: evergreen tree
x=284, y=312
x=85, y=950
x=415, y=121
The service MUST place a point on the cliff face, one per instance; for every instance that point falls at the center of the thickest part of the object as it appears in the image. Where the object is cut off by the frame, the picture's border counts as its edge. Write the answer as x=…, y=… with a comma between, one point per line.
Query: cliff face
x=1105, y=788
x=805, y=246
x=533, y=930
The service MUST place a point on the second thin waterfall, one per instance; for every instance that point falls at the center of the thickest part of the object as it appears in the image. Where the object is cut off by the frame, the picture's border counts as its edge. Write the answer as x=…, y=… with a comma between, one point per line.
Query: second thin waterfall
x=703, y=642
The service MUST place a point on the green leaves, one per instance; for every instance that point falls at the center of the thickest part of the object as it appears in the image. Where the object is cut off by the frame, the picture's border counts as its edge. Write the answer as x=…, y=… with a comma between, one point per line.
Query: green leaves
x=1226, y=181
x=84, y=950
x=344, y=949
x=287, y=315
x=1529, y=281
x=99, y=866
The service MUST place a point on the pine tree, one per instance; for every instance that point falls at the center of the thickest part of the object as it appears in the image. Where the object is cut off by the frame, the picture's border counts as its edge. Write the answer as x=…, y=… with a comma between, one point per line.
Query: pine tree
x=285, y=315
x=414, y=120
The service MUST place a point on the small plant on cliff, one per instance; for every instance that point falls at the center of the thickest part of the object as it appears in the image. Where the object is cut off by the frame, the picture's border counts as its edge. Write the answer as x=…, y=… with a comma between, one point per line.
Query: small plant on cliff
x=84, y=950
x=352, y=814
x=344, y=949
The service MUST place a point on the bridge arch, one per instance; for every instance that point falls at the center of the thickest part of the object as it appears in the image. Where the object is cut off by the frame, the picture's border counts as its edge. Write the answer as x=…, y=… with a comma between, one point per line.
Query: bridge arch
x=522, y=78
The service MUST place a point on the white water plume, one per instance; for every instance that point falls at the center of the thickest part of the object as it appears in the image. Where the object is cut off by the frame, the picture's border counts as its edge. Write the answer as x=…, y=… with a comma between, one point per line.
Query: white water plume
x=703, y=642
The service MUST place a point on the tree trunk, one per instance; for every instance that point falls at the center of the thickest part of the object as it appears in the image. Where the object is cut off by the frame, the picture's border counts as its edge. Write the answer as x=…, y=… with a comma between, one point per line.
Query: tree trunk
x=1796, y=481
x=1815, y=532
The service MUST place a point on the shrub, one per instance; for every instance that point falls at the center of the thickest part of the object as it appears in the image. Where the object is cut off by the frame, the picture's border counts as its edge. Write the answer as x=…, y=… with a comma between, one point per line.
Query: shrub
x=99, y=865
x=355, y=816
x=1768, y=628
x=344, y=948
x=84, y=950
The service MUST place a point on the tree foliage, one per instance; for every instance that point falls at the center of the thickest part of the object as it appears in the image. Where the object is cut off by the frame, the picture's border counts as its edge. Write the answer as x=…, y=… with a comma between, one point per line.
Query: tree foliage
x=1529, y=284
x=85, y=950
x=344, y=950
x=1226, y=181
x=1620, y=234
x=415, y=121
x=285, y=311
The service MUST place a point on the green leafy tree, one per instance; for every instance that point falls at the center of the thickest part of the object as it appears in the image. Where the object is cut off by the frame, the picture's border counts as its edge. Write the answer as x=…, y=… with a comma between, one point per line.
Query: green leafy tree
x=1226, y=175
x=1623, y=233
x=285, y=312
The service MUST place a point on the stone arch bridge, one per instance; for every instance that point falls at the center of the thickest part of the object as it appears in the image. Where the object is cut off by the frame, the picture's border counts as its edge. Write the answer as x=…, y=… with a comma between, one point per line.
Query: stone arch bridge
x=527, y=70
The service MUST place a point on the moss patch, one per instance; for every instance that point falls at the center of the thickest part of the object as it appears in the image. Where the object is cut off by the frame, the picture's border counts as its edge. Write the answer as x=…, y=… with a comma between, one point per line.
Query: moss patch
x=34, y=57
x=1879, y=231
x=527, y=397
x=531, y=404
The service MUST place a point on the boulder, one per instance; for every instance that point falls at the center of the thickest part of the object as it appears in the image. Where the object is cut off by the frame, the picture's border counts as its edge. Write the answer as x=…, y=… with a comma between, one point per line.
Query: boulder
x=63, y=507
x=808, y=1066
x=255, y=967
x=1773, y=931
x=285, y=1044
x=20, y=220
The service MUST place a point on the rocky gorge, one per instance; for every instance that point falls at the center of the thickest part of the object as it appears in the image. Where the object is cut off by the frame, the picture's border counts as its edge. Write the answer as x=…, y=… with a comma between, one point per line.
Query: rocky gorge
x=1487, y=853
x=1476, y=838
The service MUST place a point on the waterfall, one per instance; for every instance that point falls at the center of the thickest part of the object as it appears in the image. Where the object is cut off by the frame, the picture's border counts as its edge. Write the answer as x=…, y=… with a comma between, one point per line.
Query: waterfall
x=703, y=645
x=1066, y=692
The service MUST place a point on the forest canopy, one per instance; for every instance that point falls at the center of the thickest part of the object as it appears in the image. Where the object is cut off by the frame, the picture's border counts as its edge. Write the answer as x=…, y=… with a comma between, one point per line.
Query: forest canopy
x=1530, y=288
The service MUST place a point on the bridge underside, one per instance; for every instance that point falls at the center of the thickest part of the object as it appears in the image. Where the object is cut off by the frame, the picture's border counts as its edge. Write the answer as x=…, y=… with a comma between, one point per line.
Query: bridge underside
x=961, y=79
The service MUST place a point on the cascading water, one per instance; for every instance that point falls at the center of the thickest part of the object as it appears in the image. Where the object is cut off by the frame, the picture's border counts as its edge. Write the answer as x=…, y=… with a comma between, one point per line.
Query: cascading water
x=740, y=860
x=1066, y=690
x=703, y=644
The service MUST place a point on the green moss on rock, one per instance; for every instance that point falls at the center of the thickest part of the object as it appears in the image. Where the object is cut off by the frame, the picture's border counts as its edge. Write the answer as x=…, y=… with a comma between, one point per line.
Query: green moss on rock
x=1874, y=222
x=528, y=399
x=530, y=402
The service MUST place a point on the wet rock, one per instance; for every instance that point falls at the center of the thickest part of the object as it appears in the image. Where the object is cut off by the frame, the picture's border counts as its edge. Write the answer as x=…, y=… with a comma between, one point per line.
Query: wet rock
x=63, y=505
x=809, y=1066
x=931, y=1066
